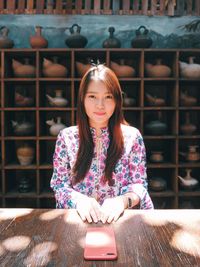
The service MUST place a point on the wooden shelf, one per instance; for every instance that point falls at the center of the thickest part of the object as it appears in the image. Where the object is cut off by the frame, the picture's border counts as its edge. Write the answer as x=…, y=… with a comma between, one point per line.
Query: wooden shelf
x=40, y=170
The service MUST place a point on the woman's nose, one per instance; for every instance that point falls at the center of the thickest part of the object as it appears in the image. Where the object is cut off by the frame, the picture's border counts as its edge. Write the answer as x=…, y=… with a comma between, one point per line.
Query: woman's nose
x=100, y=103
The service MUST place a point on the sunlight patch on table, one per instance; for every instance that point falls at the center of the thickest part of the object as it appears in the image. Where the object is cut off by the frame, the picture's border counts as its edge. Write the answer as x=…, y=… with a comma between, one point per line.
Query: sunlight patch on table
x=12, y=213
x=16, y=243
x=50, y=215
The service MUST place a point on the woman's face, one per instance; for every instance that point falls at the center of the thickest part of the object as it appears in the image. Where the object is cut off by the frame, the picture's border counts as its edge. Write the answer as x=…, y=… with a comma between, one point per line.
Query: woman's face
x=99, y=104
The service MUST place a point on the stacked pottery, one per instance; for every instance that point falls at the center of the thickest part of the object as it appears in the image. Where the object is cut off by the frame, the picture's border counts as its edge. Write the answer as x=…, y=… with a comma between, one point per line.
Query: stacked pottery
x=157, y=184
x=53, y=69
x=154, y=100
x=25, y=154
x=5, y=42
x=157, y=70
x=23, y=70
x=112, y=41
x=56, y=127
x=75, y=40
x=38, y=41
x=141, y=40
x=190, y=70
x=58, y=100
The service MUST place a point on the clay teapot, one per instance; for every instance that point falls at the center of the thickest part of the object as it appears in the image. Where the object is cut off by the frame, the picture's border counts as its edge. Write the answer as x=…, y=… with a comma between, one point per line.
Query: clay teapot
x=56, y=127
x=58, y=100
x=187, y=100
x=122, y=70
x=24, y=185
x=5, y=42
x=76, y=40
x=23, y=70
x=189, y=70
x=141, y=40
x=188, y=182
x=25, y=154
x=23, y=101
x=111, y=42
x=53, y=69
x=156, y=156
x=157, y=184
x=158, y=70
x=37, y=40
x=82, y=68
x=154, y=100
x=192, y=154
x=188, y=128
x=22, y=128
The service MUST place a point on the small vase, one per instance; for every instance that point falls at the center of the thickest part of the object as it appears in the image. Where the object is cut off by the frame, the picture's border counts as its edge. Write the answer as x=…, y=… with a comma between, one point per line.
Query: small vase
x=141, y=40
x=188, y=182
x=56, y=127
x=157, y=184
x=58, y=100
x=75, y=40
x=38, y=41
x=111, y=42
x=188, y=128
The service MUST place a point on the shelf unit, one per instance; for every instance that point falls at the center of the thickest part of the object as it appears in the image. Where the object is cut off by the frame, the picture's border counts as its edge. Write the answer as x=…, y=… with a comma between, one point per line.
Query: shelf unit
x=40, y=170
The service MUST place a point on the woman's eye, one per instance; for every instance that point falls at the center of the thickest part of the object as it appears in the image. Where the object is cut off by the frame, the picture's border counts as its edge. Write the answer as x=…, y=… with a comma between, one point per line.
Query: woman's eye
x=91, y=96
x=109, y=97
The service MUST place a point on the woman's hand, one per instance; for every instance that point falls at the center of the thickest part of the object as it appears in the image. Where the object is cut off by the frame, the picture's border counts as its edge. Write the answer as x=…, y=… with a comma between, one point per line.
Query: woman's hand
x=111, y=209
x=88, y=209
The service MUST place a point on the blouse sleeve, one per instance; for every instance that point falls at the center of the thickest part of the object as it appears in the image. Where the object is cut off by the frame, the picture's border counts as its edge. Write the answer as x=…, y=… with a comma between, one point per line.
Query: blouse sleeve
x=61, y=181
x=137, y=173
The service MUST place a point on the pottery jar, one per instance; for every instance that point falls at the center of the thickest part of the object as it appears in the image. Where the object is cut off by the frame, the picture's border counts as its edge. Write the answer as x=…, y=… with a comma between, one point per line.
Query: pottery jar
x=156, y=156
x=5, y=42
x=82, y=68
x=23, y=70
x=157, y=184
x=37, y=40
x=156, y=127
x=58, y=100
x=188, y=128
x=190, y=70
x=25, y=154
x=187, y=100
x=22, y=128
x=24, y=185
x=112, y=41
x=188, y=182
x=122, y=70
x=142, y=40
x=53, y=68
x=192, y=155
x=76, y=40
x=56, y=127
x=158, y=70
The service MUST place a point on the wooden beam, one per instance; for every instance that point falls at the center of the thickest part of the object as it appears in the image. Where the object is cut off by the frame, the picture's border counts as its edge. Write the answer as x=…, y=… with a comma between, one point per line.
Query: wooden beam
x=40, y=6
x=126, y=7
x=59, y=7
x=116, y=7
x=30, y=5
x=144, y=7
x=21, y=6
x=11, y=6
x=97, y=7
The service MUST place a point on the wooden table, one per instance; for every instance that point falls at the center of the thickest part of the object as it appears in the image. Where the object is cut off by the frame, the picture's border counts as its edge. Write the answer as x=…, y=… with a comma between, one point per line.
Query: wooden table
x=48, y=237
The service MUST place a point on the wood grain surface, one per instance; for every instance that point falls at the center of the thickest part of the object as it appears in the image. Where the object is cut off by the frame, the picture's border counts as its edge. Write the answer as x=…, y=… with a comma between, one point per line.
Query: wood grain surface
x=41, y=237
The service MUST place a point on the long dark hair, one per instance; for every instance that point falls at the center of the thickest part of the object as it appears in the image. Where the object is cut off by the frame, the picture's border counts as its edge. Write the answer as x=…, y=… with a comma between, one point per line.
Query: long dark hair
x=86, y=145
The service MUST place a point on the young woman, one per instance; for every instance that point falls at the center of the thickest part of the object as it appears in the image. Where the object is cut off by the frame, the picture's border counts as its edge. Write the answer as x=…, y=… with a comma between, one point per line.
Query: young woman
x=100, y=164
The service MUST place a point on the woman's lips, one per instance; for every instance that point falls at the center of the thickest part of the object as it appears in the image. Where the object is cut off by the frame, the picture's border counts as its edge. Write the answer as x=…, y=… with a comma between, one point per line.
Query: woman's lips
x=99, y=113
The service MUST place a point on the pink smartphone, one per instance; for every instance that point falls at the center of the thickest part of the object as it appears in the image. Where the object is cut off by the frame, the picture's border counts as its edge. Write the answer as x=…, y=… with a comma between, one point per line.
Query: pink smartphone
x=100, y=244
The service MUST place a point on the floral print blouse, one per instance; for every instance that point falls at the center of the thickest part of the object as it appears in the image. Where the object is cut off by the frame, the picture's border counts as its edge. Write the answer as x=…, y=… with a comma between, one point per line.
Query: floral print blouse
x=129, y=174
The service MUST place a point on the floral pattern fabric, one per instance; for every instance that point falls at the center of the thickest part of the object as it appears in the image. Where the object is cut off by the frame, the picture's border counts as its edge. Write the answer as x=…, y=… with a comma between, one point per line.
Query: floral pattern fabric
x=129, y=174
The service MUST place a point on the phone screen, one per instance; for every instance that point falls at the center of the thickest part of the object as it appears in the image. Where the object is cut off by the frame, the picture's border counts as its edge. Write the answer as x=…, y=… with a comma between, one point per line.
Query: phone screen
x=100, y=244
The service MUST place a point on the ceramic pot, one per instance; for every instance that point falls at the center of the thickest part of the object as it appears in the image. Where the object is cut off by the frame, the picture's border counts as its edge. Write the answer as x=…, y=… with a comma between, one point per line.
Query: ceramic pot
x=75, y=40
x=23, y=101
x=25, y=155
x=24, y=185
x=82, y=68
x=154, y=100
x=156, y=127
x=111, y=42
x=156, y=156
x=56, y=127
x=128, y=101
x=187, y=100
x=189, y=70
x=38, y=41
x=58, y=100
x=157, y=184
x=158, y=70
x=23, y=70
x=188, y=128
x=142, y=40
x=23, y=128
x=188, y=182
x=192, y=155
x=122, y=71
x=5, y=42
x=52, y=69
